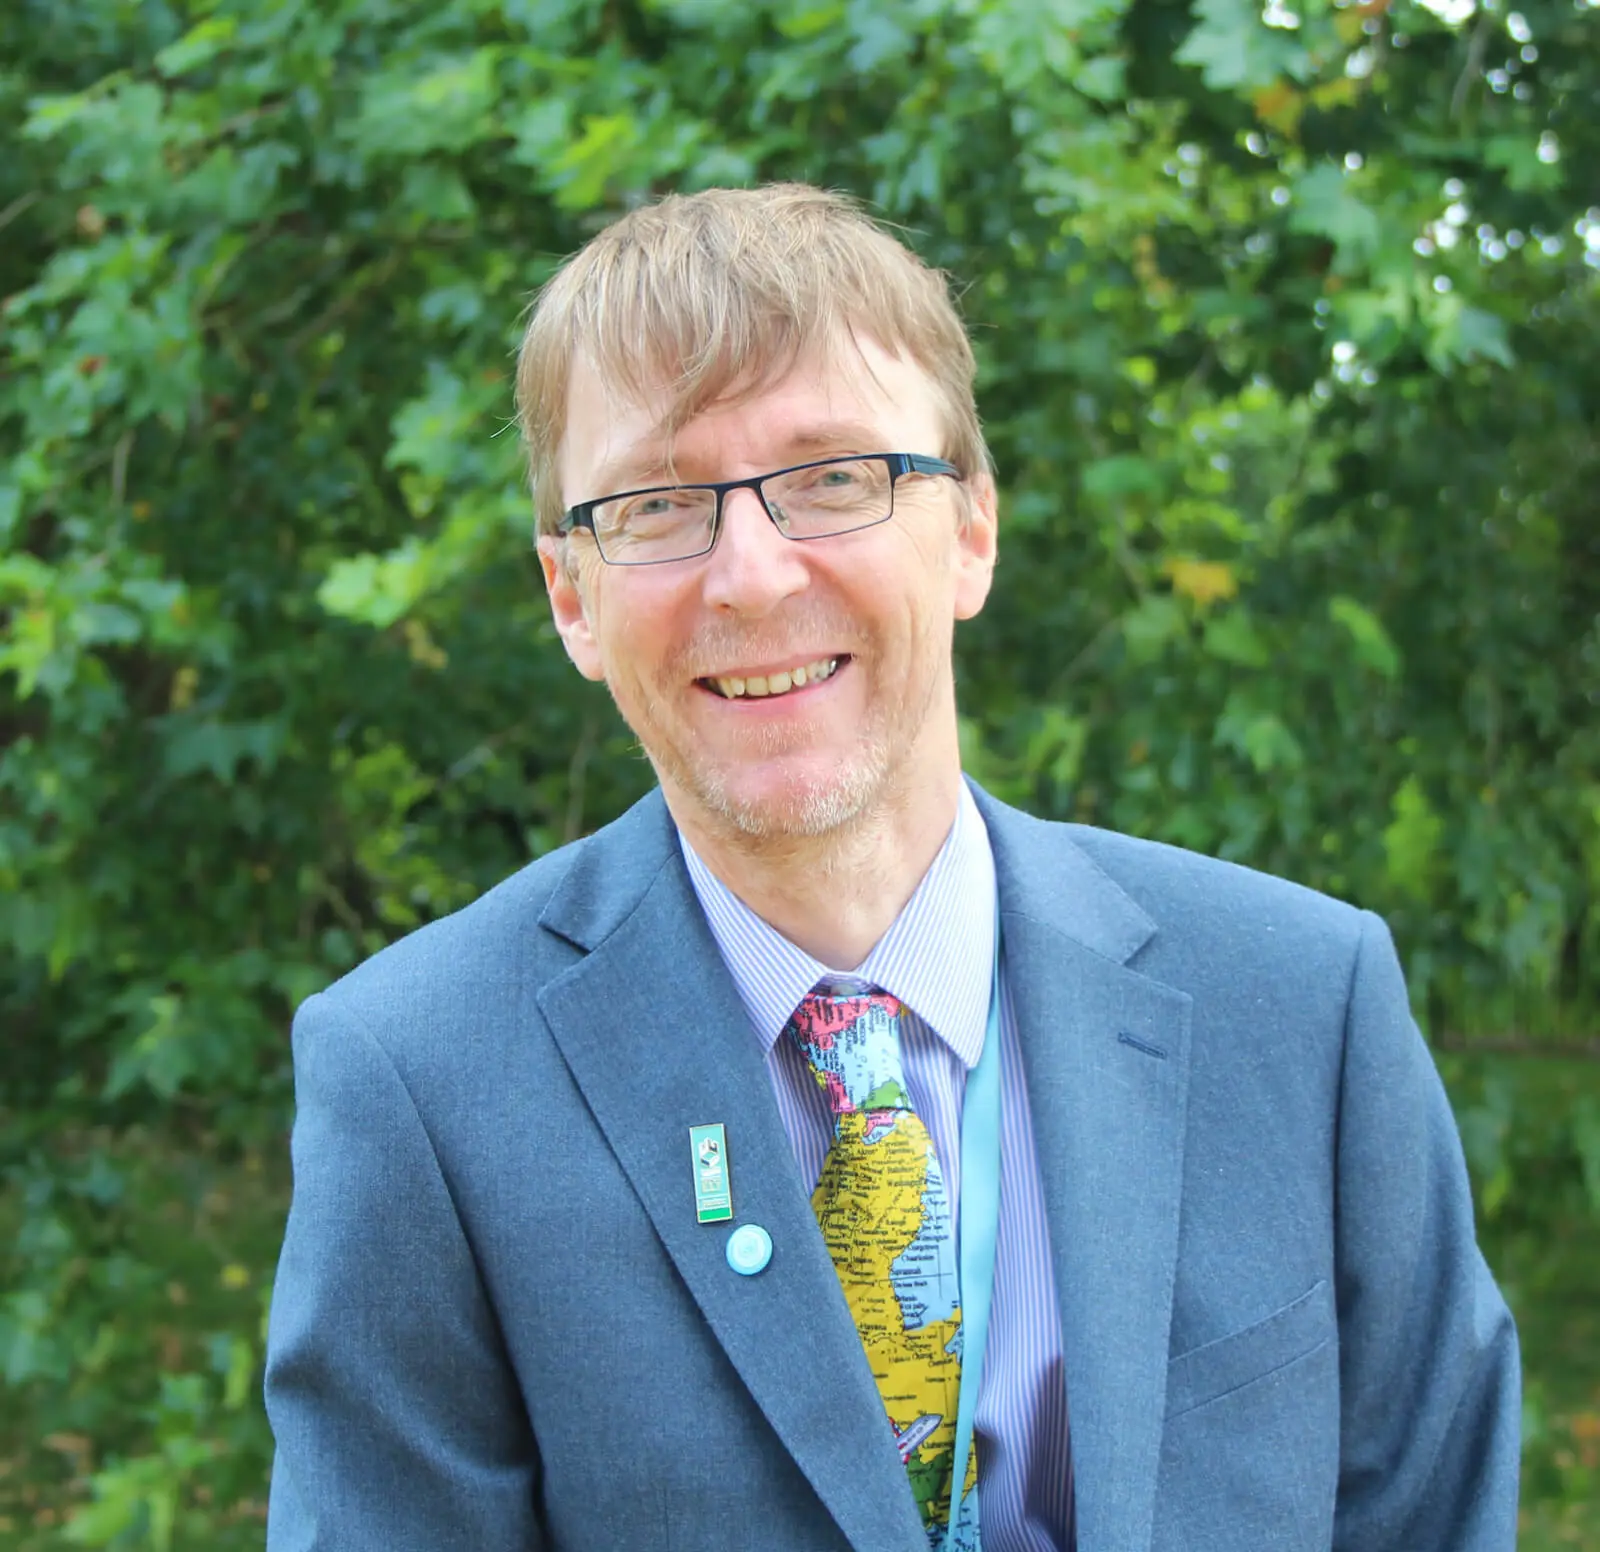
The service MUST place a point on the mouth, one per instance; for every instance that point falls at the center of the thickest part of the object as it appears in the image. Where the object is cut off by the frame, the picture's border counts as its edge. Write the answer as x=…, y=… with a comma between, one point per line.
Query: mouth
x=732, y=687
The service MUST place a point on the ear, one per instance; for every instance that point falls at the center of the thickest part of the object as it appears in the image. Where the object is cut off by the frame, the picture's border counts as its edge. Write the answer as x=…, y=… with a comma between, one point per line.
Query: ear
x=976, y=546
x=568, y=607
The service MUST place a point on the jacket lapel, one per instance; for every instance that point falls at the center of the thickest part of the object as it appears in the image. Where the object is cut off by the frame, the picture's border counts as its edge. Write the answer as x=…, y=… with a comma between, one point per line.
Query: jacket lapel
x=1106, y=1052
x=652, y=1028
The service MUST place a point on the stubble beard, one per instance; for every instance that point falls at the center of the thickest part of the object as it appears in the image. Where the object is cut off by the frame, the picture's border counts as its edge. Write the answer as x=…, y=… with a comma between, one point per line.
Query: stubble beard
x=837, y=805
x=809, y=807
x=833, y=804
x=819, y=808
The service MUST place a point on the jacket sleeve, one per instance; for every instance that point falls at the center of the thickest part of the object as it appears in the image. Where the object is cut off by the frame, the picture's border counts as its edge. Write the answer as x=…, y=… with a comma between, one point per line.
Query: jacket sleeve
x=1428, y=1354
x=398, y=1421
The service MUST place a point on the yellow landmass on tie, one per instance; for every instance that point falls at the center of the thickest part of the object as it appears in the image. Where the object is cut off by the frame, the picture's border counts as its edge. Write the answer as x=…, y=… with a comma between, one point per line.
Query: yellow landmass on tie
x=869, y=1206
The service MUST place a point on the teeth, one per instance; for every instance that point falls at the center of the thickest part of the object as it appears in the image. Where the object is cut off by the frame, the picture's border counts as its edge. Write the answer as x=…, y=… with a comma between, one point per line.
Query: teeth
x=778, y=683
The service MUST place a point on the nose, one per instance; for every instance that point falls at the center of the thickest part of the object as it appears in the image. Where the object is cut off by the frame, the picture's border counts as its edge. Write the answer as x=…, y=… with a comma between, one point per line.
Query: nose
x=754, y=568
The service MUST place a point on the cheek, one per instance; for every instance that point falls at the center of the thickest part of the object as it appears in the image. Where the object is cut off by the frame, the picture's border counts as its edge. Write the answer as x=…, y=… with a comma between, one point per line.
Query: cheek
x=637, y=630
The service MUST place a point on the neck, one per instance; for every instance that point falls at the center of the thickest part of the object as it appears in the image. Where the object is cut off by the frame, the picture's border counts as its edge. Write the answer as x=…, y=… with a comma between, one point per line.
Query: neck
x=833, y=895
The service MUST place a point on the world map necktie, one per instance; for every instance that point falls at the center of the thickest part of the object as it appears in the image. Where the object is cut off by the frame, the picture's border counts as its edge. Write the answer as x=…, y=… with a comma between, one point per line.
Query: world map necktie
x=885, y=1218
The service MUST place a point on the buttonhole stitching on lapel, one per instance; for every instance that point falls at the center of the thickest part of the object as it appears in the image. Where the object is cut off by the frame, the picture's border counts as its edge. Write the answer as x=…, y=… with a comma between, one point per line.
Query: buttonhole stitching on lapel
x=1142, y=1045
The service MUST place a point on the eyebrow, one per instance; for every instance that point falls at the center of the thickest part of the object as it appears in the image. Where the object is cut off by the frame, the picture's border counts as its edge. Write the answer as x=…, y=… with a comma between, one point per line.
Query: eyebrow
x=646, y=463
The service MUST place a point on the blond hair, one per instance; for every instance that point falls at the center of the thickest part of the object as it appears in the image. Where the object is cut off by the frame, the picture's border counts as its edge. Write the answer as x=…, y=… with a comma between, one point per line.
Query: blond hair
x=718, y=293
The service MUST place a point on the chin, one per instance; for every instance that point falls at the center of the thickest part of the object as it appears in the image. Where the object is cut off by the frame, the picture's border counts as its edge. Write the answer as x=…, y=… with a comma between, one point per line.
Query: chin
x=803, y=806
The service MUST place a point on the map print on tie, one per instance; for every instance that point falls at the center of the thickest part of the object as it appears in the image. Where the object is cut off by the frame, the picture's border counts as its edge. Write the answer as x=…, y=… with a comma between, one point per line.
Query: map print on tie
x=885, y=1218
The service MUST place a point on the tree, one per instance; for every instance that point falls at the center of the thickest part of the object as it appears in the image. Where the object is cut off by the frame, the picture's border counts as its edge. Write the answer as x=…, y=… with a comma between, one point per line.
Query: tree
x=1283, y=320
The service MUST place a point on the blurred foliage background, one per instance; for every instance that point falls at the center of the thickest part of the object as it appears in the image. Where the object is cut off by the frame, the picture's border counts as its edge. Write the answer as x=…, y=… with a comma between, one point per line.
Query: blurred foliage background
x=1287, y=321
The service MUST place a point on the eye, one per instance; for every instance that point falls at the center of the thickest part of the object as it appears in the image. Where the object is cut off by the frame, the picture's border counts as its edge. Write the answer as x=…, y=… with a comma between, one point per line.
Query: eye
x=832, y=480
x=660, y=505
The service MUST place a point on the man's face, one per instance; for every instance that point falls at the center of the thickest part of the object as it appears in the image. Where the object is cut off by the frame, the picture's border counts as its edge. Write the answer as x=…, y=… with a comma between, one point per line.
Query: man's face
x=869, y=615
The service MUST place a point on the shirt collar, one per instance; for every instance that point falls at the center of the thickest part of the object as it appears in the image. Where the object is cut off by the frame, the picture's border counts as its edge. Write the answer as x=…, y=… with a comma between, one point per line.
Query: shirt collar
x=937, y=957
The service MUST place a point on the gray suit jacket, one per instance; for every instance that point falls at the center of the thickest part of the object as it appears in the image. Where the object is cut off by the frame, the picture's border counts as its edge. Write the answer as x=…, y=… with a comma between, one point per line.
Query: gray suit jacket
x=498, y=1325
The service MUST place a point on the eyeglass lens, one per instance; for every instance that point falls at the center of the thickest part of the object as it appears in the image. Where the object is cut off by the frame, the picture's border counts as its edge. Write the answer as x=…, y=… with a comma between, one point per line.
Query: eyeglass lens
x=812, y=503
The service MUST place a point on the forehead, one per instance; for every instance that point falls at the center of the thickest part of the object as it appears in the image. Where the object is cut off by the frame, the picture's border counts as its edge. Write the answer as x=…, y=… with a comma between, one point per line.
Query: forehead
x=853, y=397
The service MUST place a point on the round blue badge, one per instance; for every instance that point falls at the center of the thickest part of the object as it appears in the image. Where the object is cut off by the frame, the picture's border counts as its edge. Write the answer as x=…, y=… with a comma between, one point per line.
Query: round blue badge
x=749, y=1249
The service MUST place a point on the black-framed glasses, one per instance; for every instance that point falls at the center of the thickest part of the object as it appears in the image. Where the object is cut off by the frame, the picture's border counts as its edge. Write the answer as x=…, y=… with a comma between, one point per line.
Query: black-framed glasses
x=806, y=501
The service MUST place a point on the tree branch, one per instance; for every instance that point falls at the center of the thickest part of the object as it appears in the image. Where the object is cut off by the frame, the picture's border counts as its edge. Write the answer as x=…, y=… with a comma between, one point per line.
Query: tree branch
x=17, y=206
x=1473, y=69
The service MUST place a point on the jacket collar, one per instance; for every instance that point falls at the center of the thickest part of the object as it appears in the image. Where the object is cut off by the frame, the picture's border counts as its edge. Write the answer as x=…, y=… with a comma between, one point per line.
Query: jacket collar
x=1041, y=873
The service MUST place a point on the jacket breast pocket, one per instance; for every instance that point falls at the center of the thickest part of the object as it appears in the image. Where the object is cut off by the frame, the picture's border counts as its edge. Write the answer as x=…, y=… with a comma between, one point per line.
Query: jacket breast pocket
x=1217, y=1369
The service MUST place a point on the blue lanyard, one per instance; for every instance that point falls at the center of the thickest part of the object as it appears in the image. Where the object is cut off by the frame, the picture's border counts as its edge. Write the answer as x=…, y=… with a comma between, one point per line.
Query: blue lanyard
x=980, y=1225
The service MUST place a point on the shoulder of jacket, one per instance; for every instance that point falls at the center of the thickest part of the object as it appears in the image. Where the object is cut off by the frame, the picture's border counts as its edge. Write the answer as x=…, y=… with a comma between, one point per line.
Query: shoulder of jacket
x=1169, y=881
x=473, y=944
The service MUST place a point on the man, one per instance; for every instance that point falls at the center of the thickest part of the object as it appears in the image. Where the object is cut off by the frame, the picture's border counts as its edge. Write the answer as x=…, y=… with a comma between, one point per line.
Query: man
x=825, y=1155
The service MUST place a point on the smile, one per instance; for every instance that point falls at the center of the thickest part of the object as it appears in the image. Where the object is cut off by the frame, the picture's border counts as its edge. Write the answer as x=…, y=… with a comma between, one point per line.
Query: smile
x=732, y=688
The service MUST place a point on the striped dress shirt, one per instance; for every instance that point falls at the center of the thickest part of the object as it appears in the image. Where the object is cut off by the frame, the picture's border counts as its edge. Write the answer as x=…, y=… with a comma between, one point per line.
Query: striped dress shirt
x=938, y=958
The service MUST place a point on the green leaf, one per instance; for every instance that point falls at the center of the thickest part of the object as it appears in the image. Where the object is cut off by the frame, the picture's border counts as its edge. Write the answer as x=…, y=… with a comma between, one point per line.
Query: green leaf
x=10, y=509
x=1155, y=620
x=604, y=151
x=24, y=576
x=1323, y=204
x=1261, y=736
x=1412, y=840
x=445, y=108
x=1460, y=333
x=376, y=590
x=202, y=43
x=1518, y=157
x=1482, y=335
x=1123, y=474
x=1057, y=747
x=105, y=622
x=809, y=19
x=1233, y=638
x=1372, y=642
x=436, y=193
x=542, y=132
x=1233, y=49
x=1103, y=77
x=204, y=744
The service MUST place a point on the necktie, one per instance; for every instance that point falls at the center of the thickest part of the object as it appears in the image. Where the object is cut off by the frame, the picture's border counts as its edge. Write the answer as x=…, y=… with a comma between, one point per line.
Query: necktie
x=886, y=1220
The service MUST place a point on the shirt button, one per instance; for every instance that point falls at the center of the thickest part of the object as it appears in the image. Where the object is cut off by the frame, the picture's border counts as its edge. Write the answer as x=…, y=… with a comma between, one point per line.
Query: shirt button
x=749, y=1249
